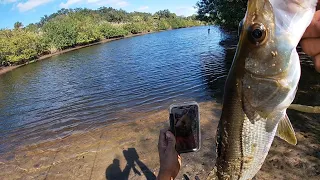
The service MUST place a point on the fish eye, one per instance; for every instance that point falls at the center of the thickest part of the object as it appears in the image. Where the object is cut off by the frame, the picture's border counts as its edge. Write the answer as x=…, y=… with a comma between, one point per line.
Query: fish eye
x=257, y=33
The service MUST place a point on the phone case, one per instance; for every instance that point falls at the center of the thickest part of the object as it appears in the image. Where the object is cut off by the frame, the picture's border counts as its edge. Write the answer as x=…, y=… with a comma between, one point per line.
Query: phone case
x=198, y=124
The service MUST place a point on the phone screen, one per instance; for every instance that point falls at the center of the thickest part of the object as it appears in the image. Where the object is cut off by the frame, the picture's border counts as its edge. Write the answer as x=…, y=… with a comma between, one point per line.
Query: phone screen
x=184, y=122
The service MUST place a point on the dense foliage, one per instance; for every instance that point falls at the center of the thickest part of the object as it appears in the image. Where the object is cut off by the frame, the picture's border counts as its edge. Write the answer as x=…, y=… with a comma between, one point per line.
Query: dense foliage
x=71, y=27
x=19, y=45
x=227, y=13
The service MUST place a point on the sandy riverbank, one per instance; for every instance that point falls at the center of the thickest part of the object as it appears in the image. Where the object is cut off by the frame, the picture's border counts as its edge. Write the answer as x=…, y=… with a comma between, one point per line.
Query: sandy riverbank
x=95, y=154
x=130, y=150
x=4, y=70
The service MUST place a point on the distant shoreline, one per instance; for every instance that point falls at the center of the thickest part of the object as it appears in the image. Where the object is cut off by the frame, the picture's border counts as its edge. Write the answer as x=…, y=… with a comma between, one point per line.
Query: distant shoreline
x=6, y=69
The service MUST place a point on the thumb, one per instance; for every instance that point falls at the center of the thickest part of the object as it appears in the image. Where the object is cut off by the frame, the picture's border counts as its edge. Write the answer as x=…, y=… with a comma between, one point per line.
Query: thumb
x=171, y=140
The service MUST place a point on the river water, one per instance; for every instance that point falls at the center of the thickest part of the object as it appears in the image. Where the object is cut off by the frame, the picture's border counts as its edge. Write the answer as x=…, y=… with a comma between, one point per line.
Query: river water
x=102, y=84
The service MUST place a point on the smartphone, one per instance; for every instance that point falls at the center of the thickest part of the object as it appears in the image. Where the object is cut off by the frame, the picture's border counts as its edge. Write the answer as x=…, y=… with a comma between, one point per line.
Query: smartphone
x=185, y=125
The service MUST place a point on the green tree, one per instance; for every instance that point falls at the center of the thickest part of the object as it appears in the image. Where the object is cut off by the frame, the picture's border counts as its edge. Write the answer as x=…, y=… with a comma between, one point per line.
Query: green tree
x=32, y=28
x=60, y=33
x=163, y=25
x=227, y=13
x=18, y=25
x=18, y=46
x=142, y=16
x=112, y=31
x=135, y=27
x=165, y=14
x=113, y=15
x=192, y=17
x=87, y=32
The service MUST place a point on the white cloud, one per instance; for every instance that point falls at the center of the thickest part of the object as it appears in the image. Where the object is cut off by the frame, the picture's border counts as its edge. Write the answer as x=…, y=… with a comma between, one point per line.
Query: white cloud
x=117, y=3
x=69, y=3
x=185, y=11
x=30, y=4
x=143, y=8
x=122, y=4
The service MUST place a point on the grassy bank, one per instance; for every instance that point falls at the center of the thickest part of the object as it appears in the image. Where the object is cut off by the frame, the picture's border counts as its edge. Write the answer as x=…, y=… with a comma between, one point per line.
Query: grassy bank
x=70, y=29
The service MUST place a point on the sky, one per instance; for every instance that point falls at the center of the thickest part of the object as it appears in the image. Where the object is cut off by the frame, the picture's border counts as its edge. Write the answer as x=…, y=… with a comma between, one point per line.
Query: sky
x=30, y=11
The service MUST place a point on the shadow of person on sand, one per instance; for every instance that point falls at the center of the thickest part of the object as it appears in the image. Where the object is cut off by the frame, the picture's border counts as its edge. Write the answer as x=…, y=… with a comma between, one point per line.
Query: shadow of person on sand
x=114, y=171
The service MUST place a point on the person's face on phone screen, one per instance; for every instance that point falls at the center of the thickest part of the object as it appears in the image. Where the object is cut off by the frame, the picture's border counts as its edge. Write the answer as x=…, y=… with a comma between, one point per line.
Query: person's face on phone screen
x=185, y=120
x=183, y=126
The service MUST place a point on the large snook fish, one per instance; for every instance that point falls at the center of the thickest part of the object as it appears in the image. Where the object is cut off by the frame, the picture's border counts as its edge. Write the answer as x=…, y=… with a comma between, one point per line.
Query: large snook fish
x=261, y=85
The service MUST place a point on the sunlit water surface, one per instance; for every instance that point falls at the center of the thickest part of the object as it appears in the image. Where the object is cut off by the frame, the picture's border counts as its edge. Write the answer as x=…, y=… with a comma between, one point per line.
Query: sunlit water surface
x=98, y=85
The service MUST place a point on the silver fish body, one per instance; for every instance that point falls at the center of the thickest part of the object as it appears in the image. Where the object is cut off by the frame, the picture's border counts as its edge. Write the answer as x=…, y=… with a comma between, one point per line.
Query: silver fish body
x=261, y=85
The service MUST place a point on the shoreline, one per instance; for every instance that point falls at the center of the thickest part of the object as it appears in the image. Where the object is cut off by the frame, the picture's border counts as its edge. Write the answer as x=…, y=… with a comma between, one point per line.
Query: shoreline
x=92, y=154
x=6, y=69
x=96, y=154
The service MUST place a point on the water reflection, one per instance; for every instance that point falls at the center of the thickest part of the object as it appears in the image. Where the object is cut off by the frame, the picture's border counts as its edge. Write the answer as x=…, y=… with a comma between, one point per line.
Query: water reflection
x=216, y=72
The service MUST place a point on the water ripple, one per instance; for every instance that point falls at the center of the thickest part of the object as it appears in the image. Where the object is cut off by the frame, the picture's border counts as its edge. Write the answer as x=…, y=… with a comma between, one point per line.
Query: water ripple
x=89, y=87
x=92, y=87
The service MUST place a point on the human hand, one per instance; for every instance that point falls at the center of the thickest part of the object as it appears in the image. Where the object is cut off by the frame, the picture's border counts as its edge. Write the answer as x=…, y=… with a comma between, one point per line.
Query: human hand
x=310, y=42
x=170, y=160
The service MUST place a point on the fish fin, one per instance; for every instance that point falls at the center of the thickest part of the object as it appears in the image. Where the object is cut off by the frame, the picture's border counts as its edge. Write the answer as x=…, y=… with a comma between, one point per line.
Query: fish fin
x=285, y=131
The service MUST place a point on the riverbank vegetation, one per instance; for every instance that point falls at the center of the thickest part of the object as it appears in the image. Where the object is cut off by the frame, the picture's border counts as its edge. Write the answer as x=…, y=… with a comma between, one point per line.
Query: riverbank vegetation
x=225, y=13
x=68, y=28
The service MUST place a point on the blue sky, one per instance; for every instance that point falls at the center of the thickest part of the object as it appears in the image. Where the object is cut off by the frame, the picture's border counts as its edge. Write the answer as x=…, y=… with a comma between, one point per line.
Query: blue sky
x=30, y=11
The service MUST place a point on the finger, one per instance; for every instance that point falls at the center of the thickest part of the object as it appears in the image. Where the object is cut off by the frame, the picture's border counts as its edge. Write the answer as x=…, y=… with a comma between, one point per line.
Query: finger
x=179, y=160
x=314, y=28
x=162, y=144
x=311, y=46
x=171, y=139
x=317, y=62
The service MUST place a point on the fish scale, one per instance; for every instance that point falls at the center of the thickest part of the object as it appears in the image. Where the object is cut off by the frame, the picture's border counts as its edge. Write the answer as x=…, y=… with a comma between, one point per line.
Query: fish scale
x=256, y=142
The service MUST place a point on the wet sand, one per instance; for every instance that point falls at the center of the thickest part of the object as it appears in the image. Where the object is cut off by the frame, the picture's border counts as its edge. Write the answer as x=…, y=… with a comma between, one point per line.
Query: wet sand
x=128, y=150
